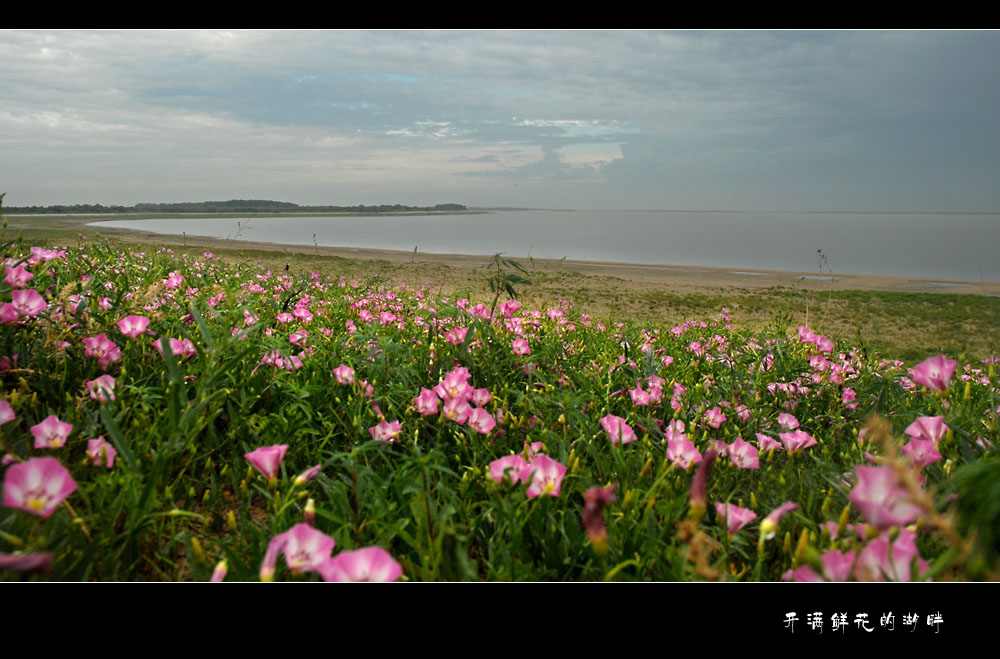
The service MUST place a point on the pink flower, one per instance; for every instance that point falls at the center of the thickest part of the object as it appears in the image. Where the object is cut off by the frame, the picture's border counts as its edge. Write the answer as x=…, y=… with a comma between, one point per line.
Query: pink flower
x=520, y=347
x=881, y=499
x=219, y=573
x=510, y=466
x=100, y=451
x=371, y=564
x=714, y=417
x=305, y=549
x=881, y=560
x=787, y=422
x=796, y=441
x=456, y=335
x=545, y=476
x=6, y=412
x=481, y=421
x=766, y=443
x=921, y=452
x=699, y=484
x=848, y=398
x=480, y=397
x=457, y=409
x=743, y=454
x=836, y=567
x=736, y=517
x=934, y=373
x=27, y=302
x=179, y=348
x=17, y=277
x=51, y=433
x=133, y=326
x=682, y=453
x=618, y=431
x=824, y=344
x=103, y=348
x=25, y=562
x=927, y=427
x=102, y=389
x=267, y=460
x=427, y=402
x=770, y=524
x=344, y=374
x=638, y=396
x=386, y=432
x=593, y=515
x=806, y=335
x=37, y=486
x=308, y=475
x=675, y=430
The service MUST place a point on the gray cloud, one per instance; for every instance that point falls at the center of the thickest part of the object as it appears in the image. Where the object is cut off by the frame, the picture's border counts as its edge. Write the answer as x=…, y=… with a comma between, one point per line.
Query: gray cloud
x=750, y=120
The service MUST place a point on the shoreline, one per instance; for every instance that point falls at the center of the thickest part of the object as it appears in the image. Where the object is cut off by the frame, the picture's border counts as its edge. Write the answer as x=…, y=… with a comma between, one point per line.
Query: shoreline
x=675, y=276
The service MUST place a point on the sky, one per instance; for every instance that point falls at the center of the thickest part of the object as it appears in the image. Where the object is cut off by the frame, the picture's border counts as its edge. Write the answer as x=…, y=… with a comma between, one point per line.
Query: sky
x=905, y=121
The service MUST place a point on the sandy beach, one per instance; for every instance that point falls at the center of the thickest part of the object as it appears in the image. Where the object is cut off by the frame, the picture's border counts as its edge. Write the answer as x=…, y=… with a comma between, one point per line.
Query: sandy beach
x=675, y=277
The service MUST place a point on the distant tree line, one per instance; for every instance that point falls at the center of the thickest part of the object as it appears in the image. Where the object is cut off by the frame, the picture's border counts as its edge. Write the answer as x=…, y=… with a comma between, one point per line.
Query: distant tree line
x=233, y=206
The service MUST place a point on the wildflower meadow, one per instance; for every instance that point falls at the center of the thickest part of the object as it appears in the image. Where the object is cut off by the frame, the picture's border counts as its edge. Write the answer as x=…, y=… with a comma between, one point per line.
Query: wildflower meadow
x=175, y=417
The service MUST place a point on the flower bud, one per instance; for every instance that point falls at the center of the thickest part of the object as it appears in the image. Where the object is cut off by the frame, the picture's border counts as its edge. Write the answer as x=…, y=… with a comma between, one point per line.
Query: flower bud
x=220, y=572
x=310, y=512
x=231, y=522
x=199, y=553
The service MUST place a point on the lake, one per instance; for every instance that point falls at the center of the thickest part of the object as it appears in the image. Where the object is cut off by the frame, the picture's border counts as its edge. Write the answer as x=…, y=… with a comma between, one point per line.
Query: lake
x=927, y=246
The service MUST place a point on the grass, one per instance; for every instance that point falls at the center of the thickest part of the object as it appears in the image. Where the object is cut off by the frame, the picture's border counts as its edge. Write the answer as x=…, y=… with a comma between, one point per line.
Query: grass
x=181, y=497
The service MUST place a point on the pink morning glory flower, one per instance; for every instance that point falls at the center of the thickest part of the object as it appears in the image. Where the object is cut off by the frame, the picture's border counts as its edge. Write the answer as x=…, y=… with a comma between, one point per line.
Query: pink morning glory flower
x=545, y=476
x=714, y=417
x=510, y=466
x=25, y=562
x=881, y=560
x=17, y=277
x=6, y=412
x=27, y=302
x=520, y=347
x=427, y=402
x=682, y=453
x=344, y=374
x=103, y=348
x=618, y=431
x=37, y=486
x=639, y=396
x=100, y=451
x=51, y=433
x=736, y=517
x=881, y=499
x=133, y=326
x=934, y=373
x=766, y=443
x=308, y=475
x=796, y=441
x=921, y=452
x=675, y=430
x=386, y=432
x=456, y=335
x=305, y=549
x=787, y=422
x=267, y=460
x=182, y=348
x=371, y=564
x=770, y=524
x=927, y=427
x=743, y=454
x=102, y=389
x=593, y=515
x=481, y=421
x=457, y=409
